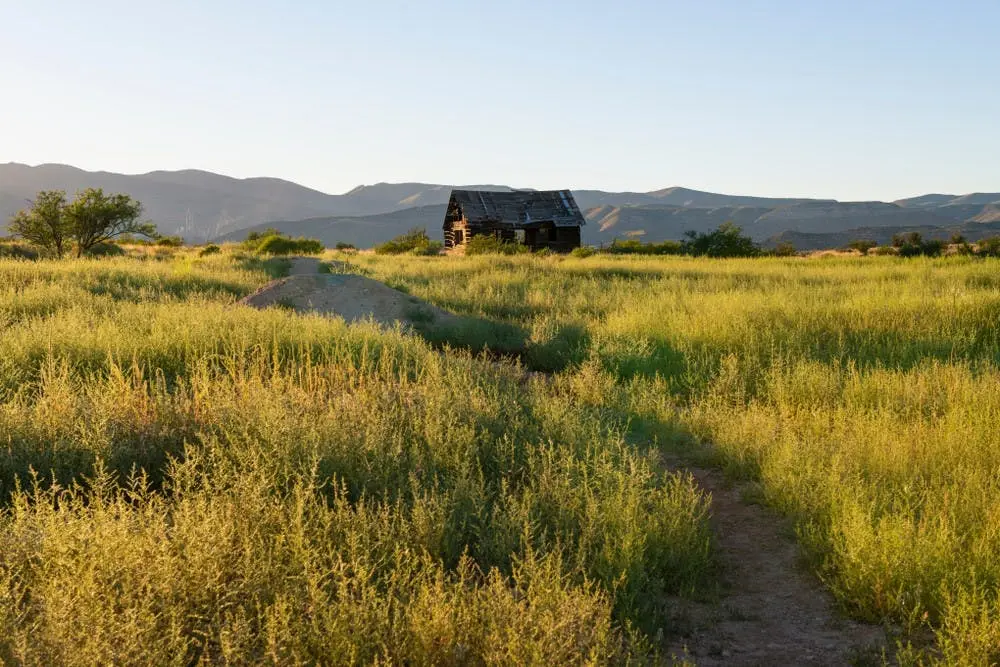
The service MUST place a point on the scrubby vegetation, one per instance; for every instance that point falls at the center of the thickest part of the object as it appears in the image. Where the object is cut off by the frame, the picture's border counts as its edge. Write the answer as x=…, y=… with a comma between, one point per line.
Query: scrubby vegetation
x=273, y=242
x=210, y=249
x=726, y=241
x=184, y=480
x=914, y=244
x=637, y=247
x=17, y=250
x=415, y=242
x=863, y=246
x=170, y=241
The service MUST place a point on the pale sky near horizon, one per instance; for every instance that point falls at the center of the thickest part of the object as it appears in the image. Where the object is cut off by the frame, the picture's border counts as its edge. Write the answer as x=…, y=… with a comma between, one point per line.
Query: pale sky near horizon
x=852, y=100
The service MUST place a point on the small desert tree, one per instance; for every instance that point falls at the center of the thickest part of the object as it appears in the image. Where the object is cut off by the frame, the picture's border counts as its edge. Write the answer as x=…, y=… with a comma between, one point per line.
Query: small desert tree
x=726, y=241
x=44, y=224
x=95, y=217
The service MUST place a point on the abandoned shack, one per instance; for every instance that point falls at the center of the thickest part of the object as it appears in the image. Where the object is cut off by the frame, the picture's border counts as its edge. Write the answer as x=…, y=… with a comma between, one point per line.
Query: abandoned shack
x=538, y=219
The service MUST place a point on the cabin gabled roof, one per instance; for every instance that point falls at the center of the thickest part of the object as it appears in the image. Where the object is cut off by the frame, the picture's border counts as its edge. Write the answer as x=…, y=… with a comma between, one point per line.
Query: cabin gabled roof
x=518, y=208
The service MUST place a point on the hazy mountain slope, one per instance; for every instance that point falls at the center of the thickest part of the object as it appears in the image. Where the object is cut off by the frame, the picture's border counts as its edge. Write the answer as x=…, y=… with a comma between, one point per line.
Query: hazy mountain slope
x=972, y=231
x=836, y=216
x=695, y=198
x=990, y=213
x=200, y=205
x=924, y=201
x=658, y=223
x=939, y=201
x=362, y=231
x=194, y=203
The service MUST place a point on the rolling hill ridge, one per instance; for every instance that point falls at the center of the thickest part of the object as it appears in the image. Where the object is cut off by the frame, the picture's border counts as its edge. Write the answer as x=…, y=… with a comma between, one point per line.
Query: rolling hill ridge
x=201, y=205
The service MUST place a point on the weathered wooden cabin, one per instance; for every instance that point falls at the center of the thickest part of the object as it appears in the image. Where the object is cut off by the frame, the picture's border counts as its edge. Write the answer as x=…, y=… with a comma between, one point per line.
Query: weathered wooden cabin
x=538, y=219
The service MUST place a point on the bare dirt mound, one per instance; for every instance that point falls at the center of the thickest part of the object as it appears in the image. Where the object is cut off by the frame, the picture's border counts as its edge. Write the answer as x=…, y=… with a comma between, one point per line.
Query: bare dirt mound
x=773, y=612
x=349, y=296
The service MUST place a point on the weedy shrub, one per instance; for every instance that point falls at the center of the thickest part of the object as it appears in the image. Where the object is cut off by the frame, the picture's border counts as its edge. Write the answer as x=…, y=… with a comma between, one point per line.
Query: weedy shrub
x=170, y=241
x=341, y=245
x=431, y=249
x=988, y=247
x=637, y=247
x=17, y=251
x=414, y=240
x=106, y=250
x=583, y=252
x=863, y=246
x=284, y=245
x=784, y=249
x=210, y=249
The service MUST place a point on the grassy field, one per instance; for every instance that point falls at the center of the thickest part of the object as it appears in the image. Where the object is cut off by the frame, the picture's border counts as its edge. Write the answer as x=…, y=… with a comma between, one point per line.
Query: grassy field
x=185, y=479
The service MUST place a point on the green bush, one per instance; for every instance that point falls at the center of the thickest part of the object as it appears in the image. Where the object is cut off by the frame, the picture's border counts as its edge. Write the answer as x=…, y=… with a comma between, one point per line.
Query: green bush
x=283, y=245
x=583, y=252
x=170, y=241
x=254, y=239
x=431, y=249
x=785, y=249
x=726, y=241
x=862, y=245
x=105, y=250
x=912, y=244
x=344, y=246
x=273, y=242
x=210, y=249
x=414, y=239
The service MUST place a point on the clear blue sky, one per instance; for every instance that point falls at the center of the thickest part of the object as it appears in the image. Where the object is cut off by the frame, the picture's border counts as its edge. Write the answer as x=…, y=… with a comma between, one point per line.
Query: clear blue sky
x=854, y=100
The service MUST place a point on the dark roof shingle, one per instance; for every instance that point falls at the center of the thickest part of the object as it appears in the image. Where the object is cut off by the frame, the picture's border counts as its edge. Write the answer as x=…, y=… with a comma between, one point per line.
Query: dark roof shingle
x=519, y=208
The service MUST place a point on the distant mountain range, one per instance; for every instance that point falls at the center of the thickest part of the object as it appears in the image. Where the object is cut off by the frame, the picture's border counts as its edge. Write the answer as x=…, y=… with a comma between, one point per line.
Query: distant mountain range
x=201, y=205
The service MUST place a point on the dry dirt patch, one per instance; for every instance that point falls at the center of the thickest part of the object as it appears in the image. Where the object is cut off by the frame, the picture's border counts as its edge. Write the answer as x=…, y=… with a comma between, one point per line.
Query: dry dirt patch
x=351, y=297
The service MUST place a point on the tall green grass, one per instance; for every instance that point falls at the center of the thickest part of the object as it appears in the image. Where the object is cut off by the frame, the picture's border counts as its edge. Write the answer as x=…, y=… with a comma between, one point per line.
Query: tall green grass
x=861, y=393
x=185, y=479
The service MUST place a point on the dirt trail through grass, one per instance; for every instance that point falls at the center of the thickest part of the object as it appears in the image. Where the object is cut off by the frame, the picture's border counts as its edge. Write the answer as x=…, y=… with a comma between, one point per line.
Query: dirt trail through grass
x=772, y=611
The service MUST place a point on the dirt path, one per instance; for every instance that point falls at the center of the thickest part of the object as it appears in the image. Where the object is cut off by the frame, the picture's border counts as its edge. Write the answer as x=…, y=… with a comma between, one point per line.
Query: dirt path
x=773, y=612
